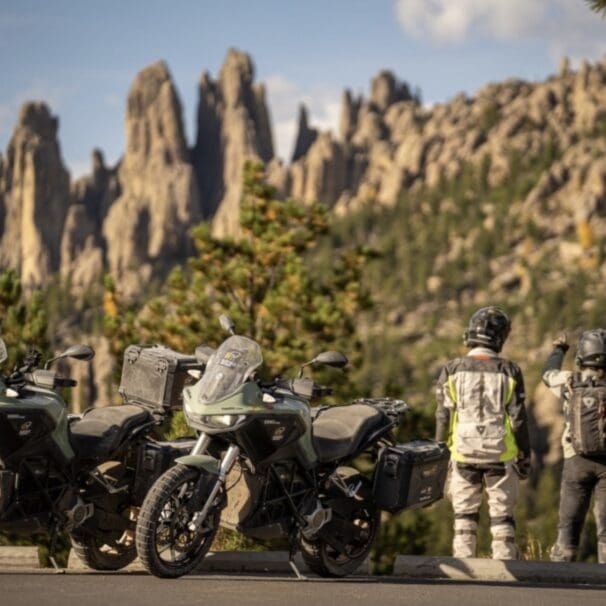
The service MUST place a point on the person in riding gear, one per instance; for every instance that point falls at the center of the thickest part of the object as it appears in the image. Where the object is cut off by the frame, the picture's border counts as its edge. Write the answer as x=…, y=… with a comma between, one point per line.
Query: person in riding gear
x=583, y=395
x=482, y=417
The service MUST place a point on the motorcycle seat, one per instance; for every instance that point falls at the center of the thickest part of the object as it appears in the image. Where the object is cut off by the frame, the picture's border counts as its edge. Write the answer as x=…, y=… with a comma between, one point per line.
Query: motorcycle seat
x=101, y=431
x=340, y=431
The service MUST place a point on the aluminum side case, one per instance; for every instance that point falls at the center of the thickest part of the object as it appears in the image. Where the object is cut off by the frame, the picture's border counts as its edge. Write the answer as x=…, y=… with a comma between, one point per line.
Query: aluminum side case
x=155, y=376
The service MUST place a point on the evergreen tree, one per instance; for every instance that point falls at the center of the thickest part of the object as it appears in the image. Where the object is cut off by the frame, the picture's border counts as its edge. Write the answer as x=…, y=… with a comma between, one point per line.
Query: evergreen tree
x=24, y=321
x=264, y=279
x=599, y=6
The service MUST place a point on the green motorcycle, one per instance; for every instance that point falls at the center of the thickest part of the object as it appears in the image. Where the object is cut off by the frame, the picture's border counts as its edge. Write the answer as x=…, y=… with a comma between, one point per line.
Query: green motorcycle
x=85, y=475
x=269, y=465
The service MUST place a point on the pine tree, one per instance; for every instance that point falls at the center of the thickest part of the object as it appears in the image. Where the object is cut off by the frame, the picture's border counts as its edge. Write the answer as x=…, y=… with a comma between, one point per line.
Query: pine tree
x=263, y=279
x=599, y=6
x=24, y=321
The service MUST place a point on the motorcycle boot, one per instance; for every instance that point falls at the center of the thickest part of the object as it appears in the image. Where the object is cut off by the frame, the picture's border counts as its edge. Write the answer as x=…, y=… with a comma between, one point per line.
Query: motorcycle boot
x=563, y=553
x=503, y=540
x=465, y=540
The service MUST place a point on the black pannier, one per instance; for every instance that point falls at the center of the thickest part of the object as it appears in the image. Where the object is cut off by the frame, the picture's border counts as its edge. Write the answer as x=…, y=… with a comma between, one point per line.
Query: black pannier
x=155, y=376
x=410, y=475
x=154, y=458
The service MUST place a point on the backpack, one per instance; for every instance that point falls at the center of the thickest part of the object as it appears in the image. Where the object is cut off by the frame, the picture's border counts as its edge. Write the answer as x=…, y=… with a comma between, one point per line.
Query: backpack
x=586, y=415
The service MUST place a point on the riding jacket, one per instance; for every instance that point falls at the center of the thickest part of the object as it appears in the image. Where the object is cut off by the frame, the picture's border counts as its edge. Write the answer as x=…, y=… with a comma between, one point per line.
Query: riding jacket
x=481, y=411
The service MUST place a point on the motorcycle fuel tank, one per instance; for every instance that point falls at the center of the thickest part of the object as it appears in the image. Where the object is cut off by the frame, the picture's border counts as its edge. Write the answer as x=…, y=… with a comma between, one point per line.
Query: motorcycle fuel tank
x=27, y=420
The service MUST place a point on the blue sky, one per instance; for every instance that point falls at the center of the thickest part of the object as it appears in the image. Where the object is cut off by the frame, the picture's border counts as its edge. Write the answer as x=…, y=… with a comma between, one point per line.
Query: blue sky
x=81, y=56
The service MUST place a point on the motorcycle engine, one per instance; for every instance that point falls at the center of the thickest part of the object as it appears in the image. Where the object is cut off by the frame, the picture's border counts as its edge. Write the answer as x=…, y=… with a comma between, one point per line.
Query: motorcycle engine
x=316, y=517
x=243, y=492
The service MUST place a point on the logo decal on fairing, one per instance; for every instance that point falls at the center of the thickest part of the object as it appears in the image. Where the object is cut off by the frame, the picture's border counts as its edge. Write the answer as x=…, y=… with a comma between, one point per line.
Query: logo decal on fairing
x=25, y=429
x=230, y=359
x=278, y=434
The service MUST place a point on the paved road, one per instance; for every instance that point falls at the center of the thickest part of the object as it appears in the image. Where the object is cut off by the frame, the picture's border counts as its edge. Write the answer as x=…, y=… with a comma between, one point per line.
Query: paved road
x=81, y=589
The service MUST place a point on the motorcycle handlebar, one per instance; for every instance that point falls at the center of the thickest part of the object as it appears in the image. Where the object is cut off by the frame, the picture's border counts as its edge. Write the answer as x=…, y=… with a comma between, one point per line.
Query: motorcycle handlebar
x=304, y=387
x=29, y=373
x=65, y=382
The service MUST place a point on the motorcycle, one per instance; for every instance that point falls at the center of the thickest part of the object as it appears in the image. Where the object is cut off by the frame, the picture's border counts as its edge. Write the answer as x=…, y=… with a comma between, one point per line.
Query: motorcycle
x=85, y=475
x=272, y=467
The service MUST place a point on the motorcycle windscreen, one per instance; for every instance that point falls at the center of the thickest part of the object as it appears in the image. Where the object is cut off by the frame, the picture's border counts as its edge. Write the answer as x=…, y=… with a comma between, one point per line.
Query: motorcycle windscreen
x=228, y=368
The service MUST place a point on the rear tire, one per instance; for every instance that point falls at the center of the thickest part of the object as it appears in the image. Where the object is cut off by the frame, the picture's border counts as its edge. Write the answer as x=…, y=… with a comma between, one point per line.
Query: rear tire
x=165, y=524
x=324, y=560
x=99, y=555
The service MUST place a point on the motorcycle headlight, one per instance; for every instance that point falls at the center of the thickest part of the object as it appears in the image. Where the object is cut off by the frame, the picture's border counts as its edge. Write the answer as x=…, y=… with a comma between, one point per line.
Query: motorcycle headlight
x=220, y=420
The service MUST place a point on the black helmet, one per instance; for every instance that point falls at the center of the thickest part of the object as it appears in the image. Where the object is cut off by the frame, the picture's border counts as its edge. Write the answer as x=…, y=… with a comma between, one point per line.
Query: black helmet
x=591, y=349
x=489, y=326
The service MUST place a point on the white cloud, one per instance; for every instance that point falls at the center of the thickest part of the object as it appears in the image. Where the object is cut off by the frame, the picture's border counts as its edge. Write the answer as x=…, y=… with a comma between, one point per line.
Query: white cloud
x=285, y=96
x=79, y=168
x=453, y=21
x=567, y=27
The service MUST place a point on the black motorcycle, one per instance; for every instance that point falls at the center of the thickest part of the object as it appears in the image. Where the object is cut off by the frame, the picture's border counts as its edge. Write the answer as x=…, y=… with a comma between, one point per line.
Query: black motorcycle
x=85, y=475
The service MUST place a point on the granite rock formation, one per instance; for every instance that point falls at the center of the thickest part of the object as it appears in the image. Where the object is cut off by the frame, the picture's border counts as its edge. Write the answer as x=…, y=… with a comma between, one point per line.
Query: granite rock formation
x=83, y=248
x=233, y=125
x=147, y=225
x=306, y=135
x=34, y=195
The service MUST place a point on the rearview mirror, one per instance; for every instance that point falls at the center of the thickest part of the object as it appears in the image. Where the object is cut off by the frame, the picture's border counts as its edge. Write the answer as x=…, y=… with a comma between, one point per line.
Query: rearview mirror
x=227, y=324
x=331, y=358
x=77, y=352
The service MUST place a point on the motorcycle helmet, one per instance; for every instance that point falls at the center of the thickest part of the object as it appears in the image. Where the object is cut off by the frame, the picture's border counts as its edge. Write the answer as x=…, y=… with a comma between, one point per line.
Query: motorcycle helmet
x=591, y=349
x=488, y=327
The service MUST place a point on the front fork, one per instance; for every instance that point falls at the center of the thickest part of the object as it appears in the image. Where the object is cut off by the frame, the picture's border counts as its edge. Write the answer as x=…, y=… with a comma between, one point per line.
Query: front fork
x=229, y=458
x=201, y=445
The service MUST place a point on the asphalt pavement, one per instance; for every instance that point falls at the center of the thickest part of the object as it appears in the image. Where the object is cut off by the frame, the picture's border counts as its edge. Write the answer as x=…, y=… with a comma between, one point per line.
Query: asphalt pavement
x=45, y=588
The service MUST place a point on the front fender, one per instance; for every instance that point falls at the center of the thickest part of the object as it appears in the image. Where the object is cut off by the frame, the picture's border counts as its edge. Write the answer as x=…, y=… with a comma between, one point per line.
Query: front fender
x=205, y=462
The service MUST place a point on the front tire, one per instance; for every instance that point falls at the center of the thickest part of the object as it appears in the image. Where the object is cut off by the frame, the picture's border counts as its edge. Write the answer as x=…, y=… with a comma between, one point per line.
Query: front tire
x=327, y=561
x=168, y=544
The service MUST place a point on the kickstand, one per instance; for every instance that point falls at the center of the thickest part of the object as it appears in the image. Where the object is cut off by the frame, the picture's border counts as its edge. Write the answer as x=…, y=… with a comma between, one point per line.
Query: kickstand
x=300, y=576
x=53, y=547
x=291, y=560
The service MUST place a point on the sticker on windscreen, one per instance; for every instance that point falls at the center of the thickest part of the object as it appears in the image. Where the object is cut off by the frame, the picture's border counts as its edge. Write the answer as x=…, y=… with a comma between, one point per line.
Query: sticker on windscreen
x=230, y=359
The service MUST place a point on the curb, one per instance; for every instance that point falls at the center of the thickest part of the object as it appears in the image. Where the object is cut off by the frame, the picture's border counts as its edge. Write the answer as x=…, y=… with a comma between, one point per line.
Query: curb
x=411, y=567
x=19, y=557
x=233, y=561
x=480, y=569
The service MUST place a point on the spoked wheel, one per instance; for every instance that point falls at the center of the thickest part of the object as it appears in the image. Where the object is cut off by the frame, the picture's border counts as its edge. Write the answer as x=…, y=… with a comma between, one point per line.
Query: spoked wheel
x=104, y=553
x=352, y=532
x=170, y=543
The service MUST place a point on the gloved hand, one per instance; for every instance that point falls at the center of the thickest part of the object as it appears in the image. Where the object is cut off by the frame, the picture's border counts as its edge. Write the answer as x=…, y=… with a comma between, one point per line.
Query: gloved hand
x=561, y=341
x=522, y=466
